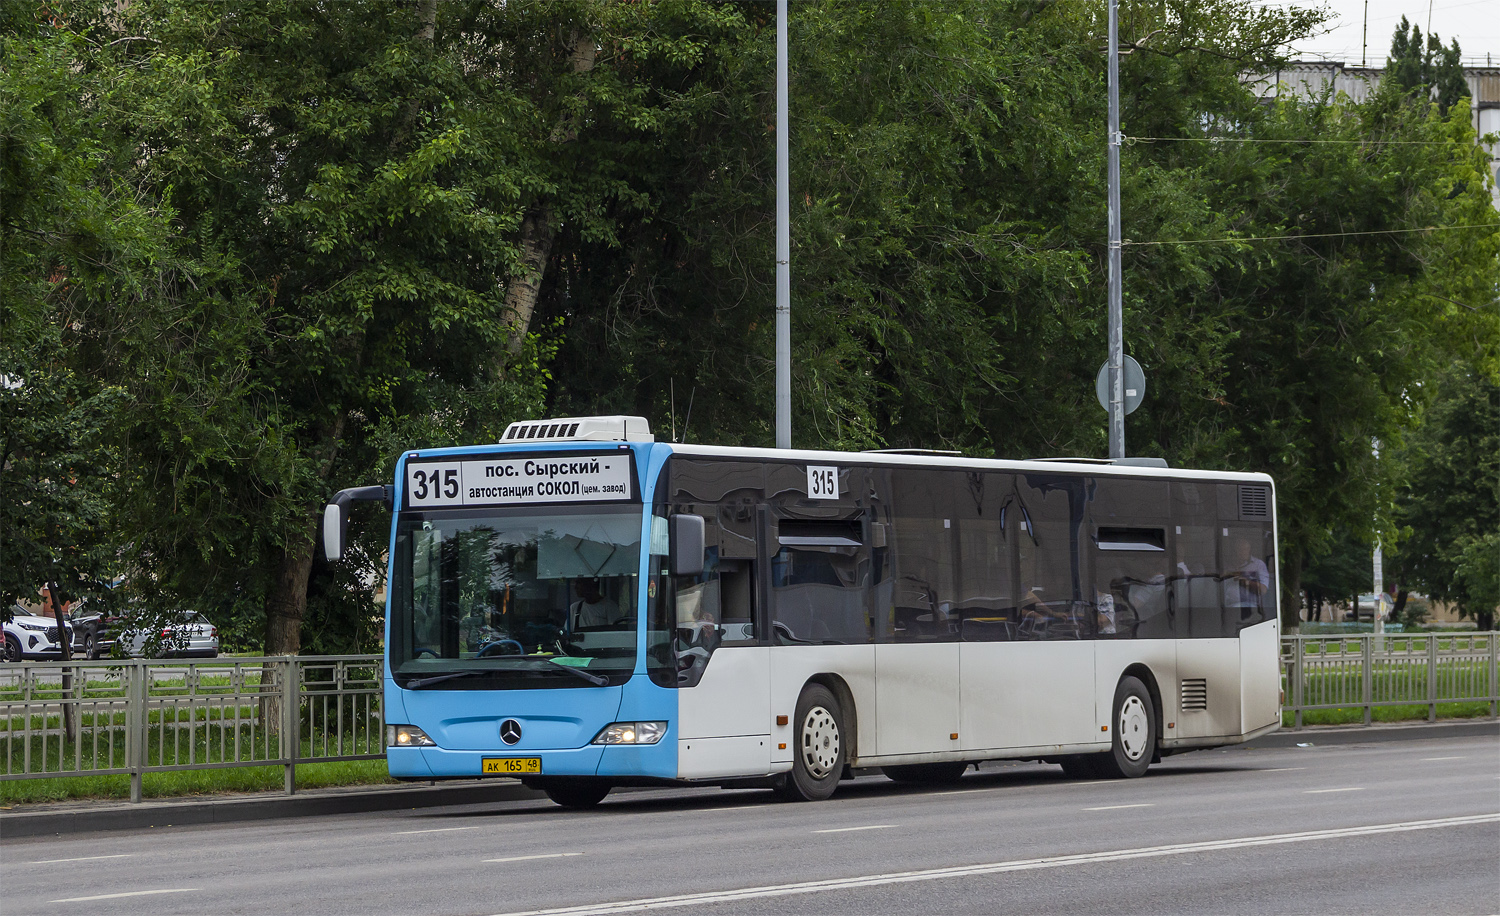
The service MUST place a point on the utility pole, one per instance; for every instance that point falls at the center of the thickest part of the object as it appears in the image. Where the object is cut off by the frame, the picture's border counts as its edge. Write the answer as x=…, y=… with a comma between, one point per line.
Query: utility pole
x=783, y=246
x=1364, y=35
x=1116, y=310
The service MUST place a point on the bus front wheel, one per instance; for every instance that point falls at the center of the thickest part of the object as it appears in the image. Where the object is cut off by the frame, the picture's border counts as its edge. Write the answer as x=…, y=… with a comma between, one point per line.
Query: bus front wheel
x=818, y=755
x=582, y=793
x=1133, y=743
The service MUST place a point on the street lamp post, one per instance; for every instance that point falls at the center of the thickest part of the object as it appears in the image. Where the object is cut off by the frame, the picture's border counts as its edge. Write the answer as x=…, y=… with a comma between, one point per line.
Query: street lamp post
x=1116, y=311
x=783, y=246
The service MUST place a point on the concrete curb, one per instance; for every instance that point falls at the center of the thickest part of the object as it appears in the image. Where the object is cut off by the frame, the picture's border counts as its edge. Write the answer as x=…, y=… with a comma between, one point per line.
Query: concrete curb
x=88, y=817
x=1323, y=735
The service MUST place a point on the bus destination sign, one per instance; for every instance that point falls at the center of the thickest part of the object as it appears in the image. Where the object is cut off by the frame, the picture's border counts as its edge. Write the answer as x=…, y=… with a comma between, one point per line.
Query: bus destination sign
x=519, y=481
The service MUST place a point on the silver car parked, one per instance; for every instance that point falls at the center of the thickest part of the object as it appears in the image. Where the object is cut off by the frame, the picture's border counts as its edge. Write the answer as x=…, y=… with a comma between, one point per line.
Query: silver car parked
x=177, y=634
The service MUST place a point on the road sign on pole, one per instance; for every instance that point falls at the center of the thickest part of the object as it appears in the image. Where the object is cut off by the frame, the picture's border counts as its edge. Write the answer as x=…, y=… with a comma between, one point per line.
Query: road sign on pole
x=1135, y=385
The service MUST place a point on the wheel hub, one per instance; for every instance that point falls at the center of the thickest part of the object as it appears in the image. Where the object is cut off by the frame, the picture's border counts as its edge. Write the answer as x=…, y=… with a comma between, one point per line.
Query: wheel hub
x=1134, y=728
x=820, y=742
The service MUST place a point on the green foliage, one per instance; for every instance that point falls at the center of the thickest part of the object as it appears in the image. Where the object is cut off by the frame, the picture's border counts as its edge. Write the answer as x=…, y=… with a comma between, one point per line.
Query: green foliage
x=1433, y=71
x=292, y=228
x=1450, y=504
x=71, y=229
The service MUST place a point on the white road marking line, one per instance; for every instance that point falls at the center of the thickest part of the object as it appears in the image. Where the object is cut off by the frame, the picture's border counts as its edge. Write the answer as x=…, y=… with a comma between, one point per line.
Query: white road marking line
x=1282, y=769
x=726, y=808
x=852, y=829
x=550, y=855
x=1118, y=807
x=959, y=792
x=437, y=830
x=1321, y=791
x=1444, y=758
x=170, y=890
x=966, y=871
x=121, y=855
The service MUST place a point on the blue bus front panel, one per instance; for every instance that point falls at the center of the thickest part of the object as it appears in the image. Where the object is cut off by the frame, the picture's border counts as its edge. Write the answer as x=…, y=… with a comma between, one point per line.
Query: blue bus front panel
x=557, y=726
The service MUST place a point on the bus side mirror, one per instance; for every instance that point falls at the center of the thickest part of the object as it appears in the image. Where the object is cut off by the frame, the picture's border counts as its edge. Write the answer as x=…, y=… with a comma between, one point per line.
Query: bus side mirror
x=336, y=517
x=687, y=545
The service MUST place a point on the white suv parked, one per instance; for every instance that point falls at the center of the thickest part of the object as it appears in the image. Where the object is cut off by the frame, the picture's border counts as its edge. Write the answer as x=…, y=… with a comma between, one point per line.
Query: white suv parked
x=30, y=636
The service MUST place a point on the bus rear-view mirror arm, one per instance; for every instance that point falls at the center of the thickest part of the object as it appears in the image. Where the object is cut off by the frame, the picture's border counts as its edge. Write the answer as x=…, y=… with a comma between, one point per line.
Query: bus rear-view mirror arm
x=336, y=516
x=686, y=545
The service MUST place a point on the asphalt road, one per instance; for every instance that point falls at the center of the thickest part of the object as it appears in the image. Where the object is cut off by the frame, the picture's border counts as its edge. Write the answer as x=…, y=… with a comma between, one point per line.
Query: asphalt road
x=1399, y=827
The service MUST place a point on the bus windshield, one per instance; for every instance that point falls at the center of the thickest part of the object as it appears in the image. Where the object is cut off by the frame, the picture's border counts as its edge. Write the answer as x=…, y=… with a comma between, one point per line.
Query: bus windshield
x=497, y=598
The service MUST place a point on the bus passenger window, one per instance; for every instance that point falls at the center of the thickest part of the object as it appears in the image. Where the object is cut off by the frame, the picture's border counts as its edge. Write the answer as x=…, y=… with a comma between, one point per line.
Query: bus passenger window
x=1246, y=581
x=818, y=595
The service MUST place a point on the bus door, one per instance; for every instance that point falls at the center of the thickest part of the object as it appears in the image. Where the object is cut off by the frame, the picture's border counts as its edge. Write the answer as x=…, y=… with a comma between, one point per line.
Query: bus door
x=818, y=580
x=718, y=641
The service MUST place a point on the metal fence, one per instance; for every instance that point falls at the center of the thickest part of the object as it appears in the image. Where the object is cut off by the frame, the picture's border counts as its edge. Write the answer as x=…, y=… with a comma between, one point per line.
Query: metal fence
x=141, y=716
x=1366, y=671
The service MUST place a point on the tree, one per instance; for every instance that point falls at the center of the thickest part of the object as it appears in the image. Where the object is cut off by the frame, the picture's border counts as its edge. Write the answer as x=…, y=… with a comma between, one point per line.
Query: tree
x=69, y=228
x=1450, y=503
x=1432, y=72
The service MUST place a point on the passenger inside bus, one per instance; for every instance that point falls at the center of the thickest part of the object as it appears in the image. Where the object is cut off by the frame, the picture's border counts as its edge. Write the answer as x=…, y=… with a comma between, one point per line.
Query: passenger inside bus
x=594, y=608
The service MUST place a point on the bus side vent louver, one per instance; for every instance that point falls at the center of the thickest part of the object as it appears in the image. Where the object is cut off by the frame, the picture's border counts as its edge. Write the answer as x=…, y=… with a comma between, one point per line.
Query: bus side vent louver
x=1194, y=693
x=1255, y=502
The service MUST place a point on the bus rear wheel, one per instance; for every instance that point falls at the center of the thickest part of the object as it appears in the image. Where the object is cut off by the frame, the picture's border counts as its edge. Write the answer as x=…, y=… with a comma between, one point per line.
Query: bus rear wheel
x=818, y=755
x=926, y=773
x=1133, y=743
x=582, y=793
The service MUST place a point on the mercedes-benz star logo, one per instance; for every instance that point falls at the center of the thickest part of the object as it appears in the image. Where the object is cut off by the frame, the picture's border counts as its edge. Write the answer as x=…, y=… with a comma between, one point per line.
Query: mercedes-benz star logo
x=510, y=731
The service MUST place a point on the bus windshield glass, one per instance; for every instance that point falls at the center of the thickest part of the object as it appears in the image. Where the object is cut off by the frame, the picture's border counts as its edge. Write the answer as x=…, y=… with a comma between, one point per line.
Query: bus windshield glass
x=511, y=598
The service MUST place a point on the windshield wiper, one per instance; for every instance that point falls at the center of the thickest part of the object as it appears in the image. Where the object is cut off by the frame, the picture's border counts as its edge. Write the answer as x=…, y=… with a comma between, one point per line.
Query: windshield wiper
x=595, y=679
x=439, y=678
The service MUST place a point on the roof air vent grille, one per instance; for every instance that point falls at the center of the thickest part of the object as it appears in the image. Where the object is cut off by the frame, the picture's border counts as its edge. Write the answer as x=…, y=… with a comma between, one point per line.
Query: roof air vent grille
x=580, y=429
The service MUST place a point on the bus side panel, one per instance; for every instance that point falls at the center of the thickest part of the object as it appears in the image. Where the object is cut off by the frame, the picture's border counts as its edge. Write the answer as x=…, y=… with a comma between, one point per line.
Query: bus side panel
x=1027, y=694
x=724, y=723
x=793, y=666
x=917, y=698
x=1215, y=662
x=1114, y=656
x=1260, y=667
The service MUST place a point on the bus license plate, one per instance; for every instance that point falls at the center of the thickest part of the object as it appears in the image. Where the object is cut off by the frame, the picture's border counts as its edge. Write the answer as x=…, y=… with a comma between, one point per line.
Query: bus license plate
x=509, y=766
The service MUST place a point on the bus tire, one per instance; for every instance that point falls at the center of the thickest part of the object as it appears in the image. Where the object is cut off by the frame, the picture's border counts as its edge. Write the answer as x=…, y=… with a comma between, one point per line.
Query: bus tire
x=926, y=773
x=580, y=793
x=1133, y=724
x=818, y=756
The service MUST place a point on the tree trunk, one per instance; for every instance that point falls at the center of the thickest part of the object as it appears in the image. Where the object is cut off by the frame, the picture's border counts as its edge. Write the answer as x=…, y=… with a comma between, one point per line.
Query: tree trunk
x=288, y=600
x=65, y=643
x=538, y=230
x=539, y=226
x=1291, y=591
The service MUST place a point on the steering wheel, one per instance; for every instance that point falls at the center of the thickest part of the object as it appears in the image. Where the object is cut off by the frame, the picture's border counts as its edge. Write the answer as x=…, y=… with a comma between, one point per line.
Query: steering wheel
x=514, y=646
x=423, y=650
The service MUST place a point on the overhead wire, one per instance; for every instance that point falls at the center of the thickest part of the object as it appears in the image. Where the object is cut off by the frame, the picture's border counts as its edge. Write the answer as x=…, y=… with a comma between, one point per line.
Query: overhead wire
x=1311, y=235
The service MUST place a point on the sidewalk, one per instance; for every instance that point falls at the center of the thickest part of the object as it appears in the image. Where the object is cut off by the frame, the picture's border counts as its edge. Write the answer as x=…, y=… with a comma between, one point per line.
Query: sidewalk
x=89, y=816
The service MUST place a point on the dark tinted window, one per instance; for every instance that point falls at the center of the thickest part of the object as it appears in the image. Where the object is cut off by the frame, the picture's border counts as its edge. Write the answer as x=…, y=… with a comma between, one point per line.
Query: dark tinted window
x=925, y=587
x=1130, y=560
x=1196, y=593
x=1050, y=588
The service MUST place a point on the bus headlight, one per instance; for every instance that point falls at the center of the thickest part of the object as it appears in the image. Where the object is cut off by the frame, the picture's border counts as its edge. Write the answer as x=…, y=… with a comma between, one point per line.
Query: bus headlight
x=632, y=733
x=407, y=736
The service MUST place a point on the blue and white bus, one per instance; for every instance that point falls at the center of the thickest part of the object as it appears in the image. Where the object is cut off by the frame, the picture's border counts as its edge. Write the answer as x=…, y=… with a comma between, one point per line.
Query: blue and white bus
x=582, y=607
